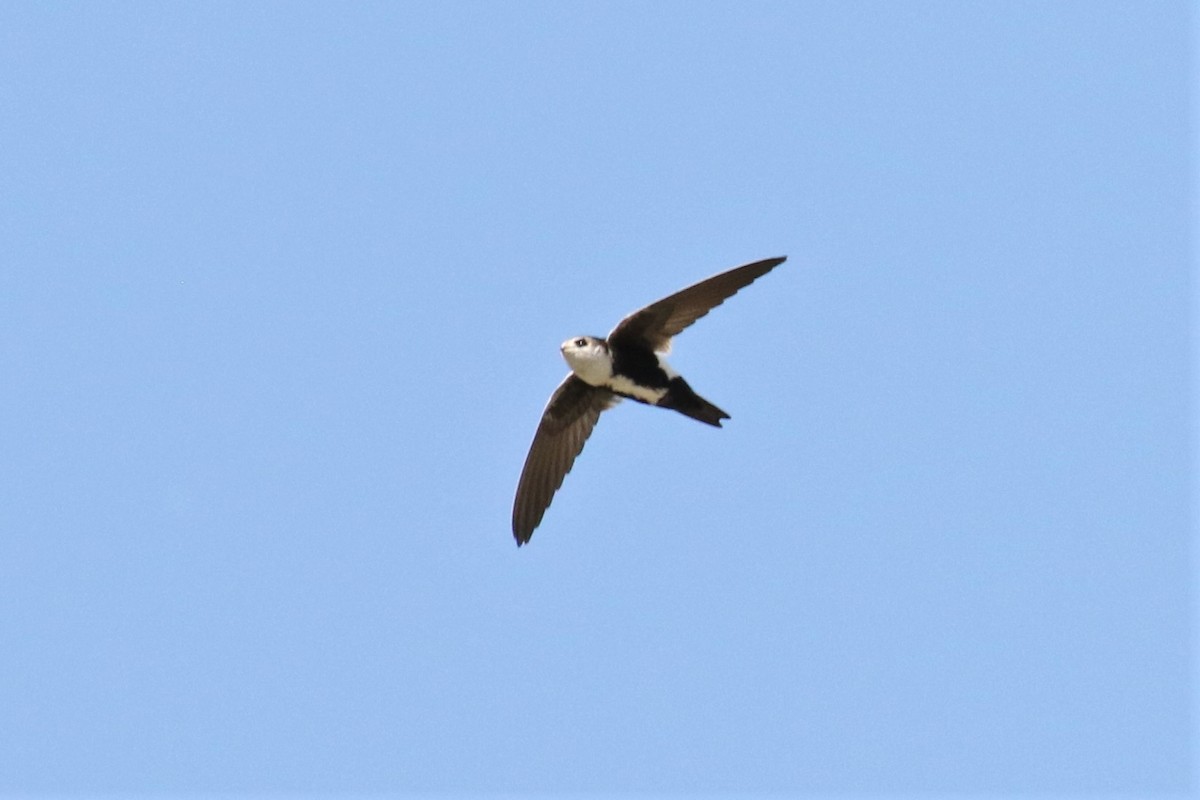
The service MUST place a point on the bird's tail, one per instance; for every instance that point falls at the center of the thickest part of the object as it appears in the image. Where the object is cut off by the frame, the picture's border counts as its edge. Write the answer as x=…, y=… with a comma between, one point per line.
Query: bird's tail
x=681, y=398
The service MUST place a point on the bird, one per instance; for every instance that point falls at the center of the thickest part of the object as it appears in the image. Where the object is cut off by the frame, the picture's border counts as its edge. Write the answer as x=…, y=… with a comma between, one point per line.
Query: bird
x=628, y=363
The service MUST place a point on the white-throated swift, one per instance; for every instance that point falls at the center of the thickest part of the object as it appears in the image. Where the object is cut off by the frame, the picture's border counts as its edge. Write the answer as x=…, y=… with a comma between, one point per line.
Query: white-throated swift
x=629, y=363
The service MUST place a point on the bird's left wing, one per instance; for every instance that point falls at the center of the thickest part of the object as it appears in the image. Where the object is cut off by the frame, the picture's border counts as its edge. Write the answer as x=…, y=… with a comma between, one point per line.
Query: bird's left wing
x=654, y=325
x=566, y=425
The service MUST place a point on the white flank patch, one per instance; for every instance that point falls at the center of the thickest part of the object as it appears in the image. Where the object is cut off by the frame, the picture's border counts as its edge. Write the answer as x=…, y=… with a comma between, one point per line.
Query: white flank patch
x=665, y=367
x=622, y=385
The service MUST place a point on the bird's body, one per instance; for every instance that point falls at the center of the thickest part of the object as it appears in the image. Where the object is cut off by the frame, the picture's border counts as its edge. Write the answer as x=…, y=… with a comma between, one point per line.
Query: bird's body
x=629, y=363
x=628, y=370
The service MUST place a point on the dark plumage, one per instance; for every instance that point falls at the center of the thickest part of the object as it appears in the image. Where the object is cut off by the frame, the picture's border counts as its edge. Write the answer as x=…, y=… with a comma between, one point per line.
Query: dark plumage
x=626, y=364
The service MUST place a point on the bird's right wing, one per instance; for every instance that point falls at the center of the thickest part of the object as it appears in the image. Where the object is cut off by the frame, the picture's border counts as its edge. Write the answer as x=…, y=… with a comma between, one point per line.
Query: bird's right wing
x=566, y=424
x=653, y=326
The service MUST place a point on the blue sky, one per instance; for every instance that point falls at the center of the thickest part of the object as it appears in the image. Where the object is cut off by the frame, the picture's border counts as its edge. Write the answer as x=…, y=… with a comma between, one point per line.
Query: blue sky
x=281, y=292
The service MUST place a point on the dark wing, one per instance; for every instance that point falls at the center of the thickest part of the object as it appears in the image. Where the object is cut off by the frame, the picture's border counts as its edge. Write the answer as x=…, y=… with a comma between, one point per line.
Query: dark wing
x=654, y=325
x=566, y=424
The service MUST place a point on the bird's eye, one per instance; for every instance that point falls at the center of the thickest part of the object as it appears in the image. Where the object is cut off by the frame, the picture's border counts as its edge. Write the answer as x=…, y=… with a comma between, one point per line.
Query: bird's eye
x=580, y=342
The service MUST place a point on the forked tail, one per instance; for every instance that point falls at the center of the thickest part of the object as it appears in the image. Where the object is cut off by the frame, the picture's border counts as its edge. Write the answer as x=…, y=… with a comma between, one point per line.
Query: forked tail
x=681, y=398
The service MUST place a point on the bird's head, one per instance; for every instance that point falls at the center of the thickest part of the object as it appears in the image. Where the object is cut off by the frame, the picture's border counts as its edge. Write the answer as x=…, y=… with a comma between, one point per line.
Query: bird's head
x=588, y=358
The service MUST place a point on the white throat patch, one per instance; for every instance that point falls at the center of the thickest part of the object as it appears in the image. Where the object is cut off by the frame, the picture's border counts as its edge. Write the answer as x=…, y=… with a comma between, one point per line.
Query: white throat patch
x=589, y=359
